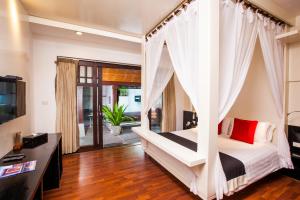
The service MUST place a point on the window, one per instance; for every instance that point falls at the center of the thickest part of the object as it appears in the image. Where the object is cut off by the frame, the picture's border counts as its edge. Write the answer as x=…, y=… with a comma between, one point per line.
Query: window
x=86, y=74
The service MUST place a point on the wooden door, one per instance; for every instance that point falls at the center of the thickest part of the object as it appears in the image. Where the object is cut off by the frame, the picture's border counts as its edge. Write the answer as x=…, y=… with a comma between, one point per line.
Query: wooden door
x=89, y=105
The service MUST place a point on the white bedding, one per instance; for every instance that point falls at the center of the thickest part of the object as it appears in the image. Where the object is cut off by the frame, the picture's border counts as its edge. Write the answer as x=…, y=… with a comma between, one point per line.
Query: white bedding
x=259, y=159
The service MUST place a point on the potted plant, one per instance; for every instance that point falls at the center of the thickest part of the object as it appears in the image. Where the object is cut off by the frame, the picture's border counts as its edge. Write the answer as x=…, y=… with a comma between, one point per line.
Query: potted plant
x=123, y=91
x=115, y=117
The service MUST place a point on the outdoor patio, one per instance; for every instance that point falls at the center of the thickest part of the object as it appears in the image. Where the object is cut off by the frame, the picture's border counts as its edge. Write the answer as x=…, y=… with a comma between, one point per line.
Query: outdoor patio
x=109, y=140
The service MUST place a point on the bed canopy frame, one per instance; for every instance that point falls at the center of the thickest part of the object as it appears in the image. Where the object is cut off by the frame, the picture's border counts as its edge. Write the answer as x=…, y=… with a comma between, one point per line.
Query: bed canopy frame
x=185, y=3
x=211, y=81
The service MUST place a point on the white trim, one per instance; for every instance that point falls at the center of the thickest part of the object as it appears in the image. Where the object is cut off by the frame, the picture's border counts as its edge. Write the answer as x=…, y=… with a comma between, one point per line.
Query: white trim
x=83, y=29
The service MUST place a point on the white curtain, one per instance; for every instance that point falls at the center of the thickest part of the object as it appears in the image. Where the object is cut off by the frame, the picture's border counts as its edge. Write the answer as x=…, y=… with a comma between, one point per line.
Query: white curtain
x=180, y=56
x=181, y=35
x=182, y=38
x=153, y=48
x=162, y=76
x=182, y=41
x=238, y=33
x=273, y=55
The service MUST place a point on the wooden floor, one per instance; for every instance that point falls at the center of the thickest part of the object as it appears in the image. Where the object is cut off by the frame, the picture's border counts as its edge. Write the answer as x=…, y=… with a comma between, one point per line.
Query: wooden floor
x=126, y=173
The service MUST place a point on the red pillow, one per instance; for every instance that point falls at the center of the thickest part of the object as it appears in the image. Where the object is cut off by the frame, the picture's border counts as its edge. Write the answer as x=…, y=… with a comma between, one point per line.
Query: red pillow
x=244, y=130
x=220, y=128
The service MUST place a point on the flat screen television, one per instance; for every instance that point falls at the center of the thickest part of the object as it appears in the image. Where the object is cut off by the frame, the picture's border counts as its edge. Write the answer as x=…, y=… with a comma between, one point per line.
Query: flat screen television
x=12, y=99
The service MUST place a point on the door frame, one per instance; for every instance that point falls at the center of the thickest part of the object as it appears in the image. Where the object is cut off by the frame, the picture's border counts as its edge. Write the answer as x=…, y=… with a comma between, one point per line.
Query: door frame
x=97, y=99
x=97, y=103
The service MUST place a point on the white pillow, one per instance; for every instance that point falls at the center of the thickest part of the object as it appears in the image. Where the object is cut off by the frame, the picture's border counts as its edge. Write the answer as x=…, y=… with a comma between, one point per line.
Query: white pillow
x=262, y=132
x=227, y=126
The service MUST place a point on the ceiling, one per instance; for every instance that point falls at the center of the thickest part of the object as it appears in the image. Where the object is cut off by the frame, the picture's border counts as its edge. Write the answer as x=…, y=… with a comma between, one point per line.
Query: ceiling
x=292, y=6
x=131, y=17
x=92, y=40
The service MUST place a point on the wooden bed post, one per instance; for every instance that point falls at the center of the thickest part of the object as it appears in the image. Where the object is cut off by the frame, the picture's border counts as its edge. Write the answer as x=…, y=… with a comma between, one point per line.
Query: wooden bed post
x=209, y=76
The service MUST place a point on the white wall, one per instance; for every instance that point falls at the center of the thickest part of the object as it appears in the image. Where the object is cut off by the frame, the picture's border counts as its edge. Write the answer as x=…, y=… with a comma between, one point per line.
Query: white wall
x=255, y=100
x=15, y=56
x=294, y=87
x=45, y=50
x=132, y=105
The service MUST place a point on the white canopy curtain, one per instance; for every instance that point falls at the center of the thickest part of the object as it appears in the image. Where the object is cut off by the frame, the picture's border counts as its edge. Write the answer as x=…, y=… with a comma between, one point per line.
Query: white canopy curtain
x=238, y=33
x=273, y=55
x=153, y=49
x=181, y=35
x=161, y=77
x=181, y=38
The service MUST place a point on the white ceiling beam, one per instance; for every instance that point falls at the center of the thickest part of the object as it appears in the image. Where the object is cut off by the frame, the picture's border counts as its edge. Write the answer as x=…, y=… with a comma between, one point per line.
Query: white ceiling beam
x=83, y=29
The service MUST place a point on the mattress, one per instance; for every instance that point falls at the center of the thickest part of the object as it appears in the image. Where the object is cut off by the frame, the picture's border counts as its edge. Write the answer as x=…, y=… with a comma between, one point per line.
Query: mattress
x=259, y=159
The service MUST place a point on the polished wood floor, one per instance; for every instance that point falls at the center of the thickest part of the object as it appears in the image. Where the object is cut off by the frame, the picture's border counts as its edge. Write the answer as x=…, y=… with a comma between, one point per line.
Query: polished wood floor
x=126, y=173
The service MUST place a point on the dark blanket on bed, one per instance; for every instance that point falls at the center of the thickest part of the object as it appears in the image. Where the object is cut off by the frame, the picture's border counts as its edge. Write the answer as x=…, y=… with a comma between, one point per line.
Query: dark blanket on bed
x=180, y=140
x=232, y=167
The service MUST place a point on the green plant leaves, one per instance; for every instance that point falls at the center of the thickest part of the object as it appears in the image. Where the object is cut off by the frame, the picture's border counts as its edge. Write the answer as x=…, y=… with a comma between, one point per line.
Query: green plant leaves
x=116, y=115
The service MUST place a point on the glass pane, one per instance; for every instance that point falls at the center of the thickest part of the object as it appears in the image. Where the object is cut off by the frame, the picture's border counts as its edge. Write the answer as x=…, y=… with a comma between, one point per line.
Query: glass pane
x=89, y=80
x=85, y=115
x=89, y=71
x=82, y=71
x=156, y=116
x=130, y=97
x=82, y=80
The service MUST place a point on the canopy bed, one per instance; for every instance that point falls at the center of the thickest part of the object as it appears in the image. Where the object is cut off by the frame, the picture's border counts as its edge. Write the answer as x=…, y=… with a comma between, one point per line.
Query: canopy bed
x=211, y=62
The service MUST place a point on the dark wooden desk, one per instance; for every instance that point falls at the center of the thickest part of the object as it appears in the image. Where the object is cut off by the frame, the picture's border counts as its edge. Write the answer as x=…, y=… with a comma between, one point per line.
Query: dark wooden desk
x=30, y=185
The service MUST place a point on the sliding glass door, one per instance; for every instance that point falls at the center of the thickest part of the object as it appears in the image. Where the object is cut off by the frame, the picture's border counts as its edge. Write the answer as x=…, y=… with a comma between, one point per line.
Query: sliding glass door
x=105, y=84
x=122, y=87
x=129, y=97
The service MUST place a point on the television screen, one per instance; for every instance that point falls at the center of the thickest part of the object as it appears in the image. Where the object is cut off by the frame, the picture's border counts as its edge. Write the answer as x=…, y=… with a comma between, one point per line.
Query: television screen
x=8, y=103
x=137, y=98
x=12, y=99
